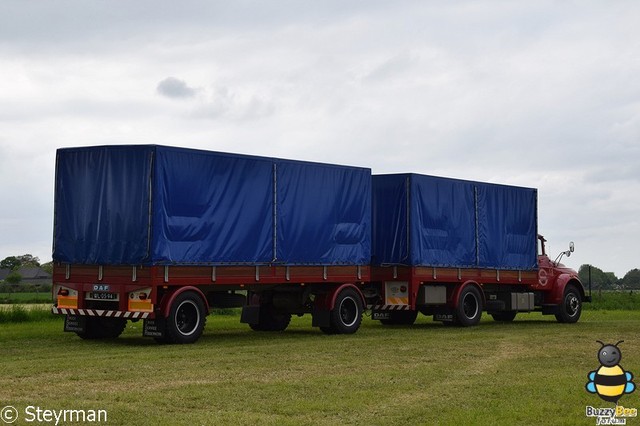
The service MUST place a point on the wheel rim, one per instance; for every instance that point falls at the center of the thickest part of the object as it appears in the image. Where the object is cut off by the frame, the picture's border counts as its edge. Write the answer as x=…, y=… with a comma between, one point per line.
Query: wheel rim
x=348, y=311
x=470, y=306
x=187, y=318
x=572, y=304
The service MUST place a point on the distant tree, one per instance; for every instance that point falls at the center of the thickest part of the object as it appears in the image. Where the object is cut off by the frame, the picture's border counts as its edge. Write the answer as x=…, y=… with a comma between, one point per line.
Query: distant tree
x=13, y=278
x=631, y=279
x=15, y=262
x=11, y=262
x=29, y=260
x=599, y=278
x=615, y=281
x=47, y=267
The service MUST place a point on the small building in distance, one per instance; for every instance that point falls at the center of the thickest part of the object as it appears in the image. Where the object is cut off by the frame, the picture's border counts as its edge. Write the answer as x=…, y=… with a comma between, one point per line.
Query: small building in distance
x=31, y=275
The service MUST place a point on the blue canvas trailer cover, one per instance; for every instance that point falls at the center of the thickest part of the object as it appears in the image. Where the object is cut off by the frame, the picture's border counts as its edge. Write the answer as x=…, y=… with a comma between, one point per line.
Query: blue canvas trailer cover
x=211, y=207
x=323, y=214
x=101, y=206
x=423, y=220
x=163, y=205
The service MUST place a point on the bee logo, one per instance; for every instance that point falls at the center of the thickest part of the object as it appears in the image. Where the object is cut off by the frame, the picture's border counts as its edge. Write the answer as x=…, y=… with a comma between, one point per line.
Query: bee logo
x=610, y=381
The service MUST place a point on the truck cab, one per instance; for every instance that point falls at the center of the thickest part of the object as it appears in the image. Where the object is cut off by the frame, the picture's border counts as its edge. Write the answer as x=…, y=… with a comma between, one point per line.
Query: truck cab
x=561, y=288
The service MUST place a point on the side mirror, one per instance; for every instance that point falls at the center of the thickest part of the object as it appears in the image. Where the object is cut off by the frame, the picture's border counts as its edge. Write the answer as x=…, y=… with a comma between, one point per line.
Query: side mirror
x=571, y=249
x=565, y=253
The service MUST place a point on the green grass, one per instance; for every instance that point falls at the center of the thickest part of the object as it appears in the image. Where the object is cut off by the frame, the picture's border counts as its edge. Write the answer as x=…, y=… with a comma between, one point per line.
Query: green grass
x=614, y=300
x=10, y=298
x=25, y=313
x=531, y=371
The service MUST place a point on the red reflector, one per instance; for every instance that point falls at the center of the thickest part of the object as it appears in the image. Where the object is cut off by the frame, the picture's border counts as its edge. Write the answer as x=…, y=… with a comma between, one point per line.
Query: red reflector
x=63, y=292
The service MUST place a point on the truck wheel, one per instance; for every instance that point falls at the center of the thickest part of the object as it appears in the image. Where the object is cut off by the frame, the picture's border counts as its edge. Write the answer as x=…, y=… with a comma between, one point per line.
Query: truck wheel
x=186, y=319
x=571, y=307
x=269, y=320
x=102, y=328
x=400, y=318
x=469, y=307
x=505, y=316
x=346, y=315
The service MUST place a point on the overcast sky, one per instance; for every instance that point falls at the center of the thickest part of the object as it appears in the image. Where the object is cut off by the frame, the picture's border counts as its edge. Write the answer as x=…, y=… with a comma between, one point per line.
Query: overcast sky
x=542, y=94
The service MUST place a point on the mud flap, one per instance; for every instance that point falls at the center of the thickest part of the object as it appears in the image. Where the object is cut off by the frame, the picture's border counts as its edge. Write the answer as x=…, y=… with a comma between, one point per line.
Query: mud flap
x=75, y=323
x=321, y=318
x=154, y=327
x=250, y=314
x=380, y=315
x=444, y=315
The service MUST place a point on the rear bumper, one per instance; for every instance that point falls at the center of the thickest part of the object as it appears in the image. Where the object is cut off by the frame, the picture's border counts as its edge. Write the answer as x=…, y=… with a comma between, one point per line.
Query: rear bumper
x=100, y=313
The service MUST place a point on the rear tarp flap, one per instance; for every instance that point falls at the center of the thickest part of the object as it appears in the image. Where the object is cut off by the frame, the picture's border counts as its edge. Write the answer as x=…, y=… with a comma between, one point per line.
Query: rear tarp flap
x=323, y=214
x=390, y=230
x=212, y=208
x=507, y=227
x=443, y=222
x=102, y=205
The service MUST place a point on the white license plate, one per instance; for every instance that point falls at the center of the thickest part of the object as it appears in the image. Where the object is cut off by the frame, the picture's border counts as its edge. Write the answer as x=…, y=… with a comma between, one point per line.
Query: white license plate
x=94, y=295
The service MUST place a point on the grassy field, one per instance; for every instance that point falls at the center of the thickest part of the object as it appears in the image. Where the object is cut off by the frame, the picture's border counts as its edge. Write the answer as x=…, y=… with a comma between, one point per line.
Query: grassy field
x=531, y=371
x=44, y=297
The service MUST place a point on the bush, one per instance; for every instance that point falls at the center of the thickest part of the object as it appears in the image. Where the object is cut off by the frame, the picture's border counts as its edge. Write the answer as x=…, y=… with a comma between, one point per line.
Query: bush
x=6, y=287
x=18, y=313
x=13, y=278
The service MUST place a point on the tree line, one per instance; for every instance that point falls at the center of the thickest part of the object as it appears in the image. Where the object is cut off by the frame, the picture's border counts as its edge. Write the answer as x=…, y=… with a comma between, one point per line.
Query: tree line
x=601, y=280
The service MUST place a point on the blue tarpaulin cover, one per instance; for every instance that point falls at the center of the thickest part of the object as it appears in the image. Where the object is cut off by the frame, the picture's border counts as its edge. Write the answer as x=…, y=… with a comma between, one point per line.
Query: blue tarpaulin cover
x=423, y=220
x=152, y=204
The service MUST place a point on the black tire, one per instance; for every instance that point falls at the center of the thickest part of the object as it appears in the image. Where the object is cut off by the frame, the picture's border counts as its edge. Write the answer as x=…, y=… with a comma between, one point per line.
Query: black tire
x=400, y=318
x=186, y=319
x=504, y=316
x=102, y=328
x=270, y=320
x=570, y=309
x=469, y=306
x=346, y=315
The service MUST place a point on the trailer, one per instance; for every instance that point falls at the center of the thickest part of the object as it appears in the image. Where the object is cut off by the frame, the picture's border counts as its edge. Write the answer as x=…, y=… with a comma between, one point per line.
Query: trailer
x=164, y=235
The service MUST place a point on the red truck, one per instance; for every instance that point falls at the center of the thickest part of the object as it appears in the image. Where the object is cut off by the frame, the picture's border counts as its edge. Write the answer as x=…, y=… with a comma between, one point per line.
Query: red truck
x=164, y=235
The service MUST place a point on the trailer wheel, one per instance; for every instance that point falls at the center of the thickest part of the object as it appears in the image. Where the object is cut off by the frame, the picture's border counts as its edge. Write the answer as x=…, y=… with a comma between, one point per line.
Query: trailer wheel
x=571, y=307
x=504, y=316
x=269, y=320
x=186, y=319
x=346, y=315
x=400, y=318
x=469, y=307
x=102, y=328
